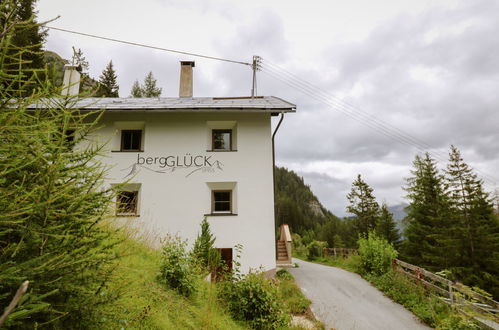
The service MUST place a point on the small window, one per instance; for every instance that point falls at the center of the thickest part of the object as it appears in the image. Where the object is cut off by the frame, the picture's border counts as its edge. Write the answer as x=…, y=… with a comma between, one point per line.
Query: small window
x=221, y=201
x=222, y=139
x=131, y=140
x=126, y=203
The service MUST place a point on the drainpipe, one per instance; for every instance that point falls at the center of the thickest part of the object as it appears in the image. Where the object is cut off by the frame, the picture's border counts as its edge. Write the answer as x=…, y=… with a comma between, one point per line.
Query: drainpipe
x=273, y=163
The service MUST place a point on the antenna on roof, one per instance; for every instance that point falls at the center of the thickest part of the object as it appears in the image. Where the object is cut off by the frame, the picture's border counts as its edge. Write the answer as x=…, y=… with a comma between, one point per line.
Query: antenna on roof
x=256, y=67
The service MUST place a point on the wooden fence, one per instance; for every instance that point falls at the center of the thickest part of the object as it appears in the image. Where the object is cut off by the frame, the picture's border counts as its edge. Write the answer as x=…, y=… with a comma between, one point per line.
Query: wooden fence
x=339, y=252
x=454, y=293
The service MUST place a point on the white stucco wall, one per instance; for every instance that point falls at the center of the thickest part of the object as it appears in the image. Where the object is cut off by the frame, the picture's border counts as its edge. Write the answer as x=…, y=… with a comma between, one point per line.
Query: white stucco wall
x=175, y=202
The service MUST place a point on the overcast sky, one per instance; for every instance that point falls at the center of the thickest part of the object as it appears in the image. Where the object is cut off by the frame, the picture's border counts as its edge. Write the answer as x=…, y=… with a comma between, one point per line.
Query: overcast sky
x=429, y=68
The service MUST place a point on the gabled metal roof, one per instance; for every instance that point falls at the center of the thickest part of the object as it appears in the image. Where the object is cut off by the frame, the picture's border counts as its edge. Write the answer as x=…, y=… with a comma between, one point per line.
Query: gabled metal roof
x=172, y=104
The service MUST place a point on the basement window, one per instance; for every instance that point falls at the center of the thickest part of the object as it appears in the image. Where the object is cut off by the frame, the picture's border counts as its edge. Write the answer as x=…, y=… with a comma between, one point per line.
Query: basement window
x=127, y=203
x=131, y=140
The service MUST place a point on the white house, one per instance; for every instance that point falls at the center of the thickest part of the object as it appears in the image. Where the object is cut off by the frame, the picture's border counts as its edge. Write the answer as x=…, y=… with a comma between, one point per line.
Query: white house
x=186, y=158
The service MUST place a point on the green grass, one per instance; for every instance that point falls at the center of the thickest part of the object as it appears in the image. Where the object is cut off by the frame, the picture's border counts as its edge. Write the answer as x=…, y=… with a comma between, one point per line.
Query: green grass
x=293, y=298
x=145, y=304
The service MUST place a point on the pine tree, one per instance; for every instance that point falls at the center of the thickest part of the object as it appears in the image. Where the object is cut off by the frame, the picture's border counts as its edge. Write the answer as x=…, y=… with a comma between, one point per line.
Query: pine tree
x=149, y=89
x=136, y=89
x=52, y=207
x=386, y=227
x=108, y=87
x=204, y=243
x=475, y=227
x=363, y=205
x=427, y=216
x=25, y=52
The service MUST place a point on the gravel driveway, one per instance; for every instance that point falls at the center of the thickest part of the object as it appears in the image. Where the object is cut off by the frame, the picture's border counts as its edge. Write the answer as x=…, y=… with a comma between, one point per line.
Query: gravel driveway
x=344, y=301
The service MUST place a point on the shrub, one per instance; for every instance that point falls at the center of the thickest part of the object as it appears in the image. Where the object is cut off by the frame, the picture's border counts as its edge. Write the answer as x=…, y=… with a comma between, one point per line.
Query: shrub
x=177, y=269
x=376, y=254
x=254, y=299
x=299, y=248
x=203, y=251
x=316, y=249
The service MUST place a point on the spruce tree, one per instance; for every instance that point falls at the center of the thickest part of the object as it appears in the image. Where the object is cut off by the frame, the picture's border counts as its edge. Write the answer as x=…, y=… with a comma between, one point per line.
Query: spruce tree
x=108, y=87
x=136, y=89
x=204, y=243
x=386, y=227
x=363, y=205
x=149, y=89
x=52, y=205
x=25, y=52
x=427, y=219
x=475, y=227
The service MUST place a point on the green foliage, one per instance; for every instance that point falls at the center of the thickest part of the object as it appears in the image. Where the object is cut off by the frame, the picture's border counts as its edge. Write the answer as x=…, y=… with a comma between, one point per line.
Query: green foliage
x=53, y=201
x=429, y=309
x=386, y=227
x=136, y=89
x=143, y=303
x=316, y=249
x=254, y=299
x=299, y=248
x=376, y=254
x=108, y=86
x=451, y=223
x=294, y=300
x=427, y=216
x=204, y=251
x=148, y=89
x=177, y=269
x=363, y=205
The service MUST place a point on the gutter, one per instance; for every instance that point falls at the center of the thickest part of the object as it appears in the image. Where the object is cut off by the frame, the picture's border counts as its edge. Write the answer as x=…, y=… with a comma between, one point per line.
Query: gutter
x=273, y=164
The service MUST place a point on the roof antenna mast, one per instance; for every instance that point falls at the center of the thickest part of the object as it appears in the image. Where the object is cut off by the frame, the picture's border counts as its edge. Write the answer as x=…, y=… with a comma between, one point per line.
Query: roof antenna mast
x=256, y=67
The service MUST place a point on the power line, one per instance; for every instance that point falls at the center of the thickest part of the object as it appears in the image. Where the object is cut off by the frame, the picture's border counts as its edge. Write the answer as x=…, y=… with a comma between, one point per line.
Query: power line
x=353, y=112
x=149, y=46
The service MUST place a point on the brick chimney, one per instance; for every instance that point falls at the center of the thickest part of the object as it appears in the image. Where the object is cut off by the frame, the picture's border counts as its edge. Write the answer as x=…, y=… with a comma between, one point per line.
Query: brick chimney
x=71, y=81
x=185, y=89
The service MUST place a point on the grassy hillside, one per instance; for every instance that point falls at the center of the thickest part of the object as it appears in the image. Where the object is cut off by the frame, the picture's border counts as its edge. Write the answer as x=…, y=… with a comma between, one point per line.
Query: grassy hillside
x=145, y=304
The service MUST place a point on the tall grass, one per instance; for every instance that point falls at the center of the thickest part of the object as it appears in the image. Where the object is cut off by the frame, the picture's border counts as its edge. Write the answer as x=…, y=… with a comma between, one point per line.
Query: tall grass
x=146, y=304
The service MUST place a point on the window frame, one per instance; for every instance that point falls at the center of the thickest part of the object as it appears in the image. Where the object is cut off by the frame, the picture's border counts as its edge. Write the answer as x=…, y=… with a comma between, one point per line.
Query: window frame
x=226, y=130
x=135, y=211
x=213, y=201
x=122, y=140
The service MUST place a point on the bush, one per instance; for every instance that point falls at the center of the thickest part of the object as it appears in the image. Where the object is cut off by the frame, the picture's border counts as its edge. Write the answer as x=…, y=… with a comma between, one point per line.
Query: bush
x=177, y=269
x=254, y=299
x=316, y=249
x=299, y=248
x=376, y=254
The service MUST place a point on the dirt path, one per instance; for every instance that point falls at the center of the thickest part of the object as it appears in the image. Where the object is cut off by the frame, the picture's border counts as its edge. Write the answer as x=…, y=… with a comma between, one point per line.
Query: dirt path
x=344, y=301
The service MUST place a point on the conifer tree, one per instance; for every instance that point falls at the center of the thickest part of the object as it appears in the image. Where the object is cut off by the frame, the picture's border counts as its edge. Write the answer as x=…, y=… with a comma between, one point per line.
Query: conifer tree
x=149, y=89
x=136, y=89
x=363, y=205
x=475, y=227
x=386, y=227
x=108, y=86
x=204, y=243
x=427, y=216
x=52, y=205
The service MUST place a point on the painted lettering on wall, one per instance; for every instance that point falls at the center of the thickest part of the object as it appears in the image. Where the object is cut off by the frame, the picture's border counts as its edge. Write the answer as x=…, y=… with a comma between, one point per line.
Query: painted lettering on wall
x=171, y=163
